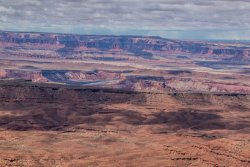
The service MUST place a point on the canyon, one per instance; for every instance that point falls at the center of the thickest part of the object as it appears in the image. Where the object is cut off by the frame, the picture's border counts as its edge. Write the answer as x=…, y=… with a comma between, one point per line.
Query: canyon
x=102, y=100
x=126, y=62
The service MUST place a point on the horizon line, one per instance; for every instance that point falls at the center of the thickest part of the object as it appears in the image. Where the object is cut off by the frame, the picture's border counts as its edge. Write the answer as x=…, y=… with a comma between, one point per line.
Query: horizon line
x=128, y=35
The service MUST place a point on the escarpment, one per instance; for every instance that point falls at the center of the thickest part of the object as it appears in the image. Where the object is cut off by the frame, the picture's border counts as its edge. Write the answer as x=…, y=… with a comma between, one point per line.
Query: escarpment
x=70, y=45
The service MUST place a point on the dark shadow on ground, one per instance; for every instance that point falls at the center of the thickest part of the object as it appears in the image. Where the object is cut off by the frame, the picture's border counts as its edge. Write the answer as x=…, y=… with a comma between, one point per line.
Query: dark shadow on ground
x=58, y=117
x=57, y=108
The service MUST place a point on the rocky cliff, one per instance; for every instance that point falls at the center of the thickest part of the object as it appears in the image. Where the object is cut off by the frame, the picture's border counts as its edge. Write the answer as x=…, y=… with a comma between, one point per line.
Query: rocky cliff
x=138, y=46
x=27, y=91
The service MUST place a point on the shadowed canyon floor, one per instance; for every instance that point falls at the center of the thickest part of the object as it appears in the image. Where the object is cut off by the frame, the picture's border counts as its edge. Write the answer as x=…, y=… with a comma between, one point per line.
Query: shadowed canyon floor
x=55, y=125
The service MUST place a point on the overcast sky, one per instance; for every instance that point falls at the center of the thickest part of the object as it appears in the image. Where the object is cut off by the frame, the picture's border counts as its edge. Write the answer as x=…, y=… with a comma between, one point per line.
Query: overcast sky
x=182, y=19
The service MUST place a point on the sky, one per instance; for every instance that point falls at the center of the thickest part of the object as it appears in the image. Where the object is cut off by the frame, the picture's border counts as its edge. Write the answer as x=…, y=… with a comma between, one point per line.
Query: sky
x=177, y=19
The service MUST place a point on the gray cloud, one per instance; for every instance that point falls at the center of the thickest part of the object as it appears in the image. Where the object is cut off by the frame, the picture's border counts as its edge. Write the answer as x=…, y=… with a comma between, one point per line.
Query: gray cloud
x=116, y=16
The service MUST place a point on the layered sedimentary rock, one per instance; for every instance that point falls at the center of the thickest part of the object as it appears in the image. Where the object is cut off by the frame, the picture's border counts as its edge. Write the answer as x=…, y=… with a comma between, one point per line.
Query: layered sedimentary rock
x=121, y=80
x=35, y=76
x=70, y=45
x=127, y=62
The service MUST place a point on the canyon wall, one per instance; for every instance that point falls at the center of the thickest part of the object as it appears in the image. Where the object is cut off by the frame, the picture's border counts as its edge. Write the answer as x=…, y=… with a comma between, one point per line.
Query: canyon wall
x=68, y=45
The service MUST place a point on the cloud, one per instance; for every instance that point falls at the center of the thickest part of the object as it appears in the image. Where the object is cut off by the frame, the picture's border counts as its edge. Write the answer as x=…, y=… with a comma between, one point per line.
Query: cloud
x=118, y=16
x=6, y=10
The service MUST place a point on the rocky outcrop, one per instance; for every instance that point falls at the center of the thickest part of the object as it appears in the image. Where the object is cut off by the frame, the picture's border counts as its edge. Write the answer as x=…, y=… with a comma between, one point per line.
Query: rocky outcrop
x=120, y=80
x=173, y=84
x=190, y=85
x=80, y=76
x=27, y=91
x=35, y=76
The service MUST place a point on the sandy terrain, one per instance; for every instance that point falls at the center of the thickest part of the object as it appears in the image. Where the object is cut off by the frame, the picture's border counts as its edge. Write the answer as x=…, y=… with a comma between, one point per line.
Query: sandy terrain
x=53, y=125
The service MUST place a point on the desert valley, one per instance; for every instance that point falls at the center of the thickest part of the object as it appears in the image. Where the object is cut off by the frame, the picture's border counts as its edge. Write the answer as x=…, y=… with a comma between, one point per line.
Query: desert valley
x=126, y=62
x=89, y=100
